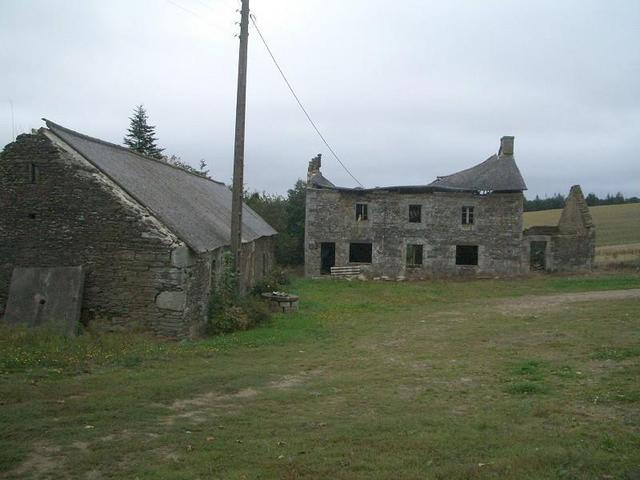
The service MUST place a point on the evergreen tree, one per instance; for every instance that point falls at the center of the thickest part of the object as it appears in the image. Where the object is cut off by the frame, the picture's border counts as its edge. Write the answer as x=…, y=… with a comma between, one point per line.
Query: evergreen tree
x=141, y=137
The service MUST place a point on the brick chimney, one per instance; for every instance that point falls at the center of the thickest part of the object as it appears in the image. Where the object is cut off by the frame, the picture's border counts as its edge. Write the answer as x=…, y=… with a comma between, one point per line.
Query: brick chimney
x=506, y=146
x=314, y=166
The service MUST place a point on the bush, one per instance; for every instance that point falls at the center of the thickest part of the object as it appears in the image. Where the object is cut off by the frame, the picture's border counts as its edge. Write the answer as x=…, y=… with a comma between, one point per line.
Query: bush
x=227, y=312
x=249, y=313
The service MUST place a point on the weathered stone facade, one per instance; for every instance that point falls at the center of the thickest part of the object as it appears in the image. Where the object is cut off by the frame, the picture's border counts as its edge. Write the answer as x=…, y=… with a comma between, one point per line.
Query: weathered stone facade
x=57, y=209
x=496, y=231
x=466, y=224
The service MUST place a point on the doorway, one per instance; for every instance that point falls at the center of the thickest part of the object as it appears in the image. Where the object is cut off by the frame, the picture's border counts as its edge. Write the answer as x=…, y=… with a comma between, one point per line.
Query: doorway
x=327, y=257
x=537, y=260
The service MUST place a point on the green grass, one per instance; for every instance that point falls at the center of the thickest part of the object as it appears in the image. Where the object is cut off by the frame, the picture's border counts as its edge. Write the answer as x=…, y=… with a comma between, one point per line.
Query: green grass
x=442, y=380
x=615, y=224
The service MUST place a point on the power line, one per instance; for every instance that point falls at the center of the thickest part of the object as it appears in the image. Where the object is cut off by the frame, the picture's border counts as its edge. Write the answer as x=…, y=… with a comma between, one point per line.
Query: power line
x=199, y=17
x=253, y=20
x=183, y=8
x=205, y=4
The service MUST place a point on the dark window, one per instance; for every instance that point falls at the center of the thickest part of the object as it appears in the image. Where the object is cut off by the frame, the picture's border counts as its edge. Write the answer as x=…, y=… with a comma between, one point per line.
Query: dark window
x=414, y=255
x=362, y=212
x=360, y=252
x=34, y=172
x=32, y=216
x=415, y=213
x=466, y=255
x=467, y=215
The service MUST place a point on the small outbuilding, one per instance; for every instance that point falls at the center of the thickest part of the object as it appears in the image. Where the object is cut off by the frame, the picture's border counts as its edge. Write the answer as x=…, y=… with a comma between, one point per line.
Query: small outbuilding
x=568, y=246
x=149, y=236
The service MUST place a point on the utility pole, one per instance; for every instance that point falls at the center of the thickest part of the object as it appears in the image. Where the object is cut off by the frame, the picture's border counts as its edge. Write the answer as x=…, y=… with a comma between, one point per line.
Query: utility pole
x=238, y=151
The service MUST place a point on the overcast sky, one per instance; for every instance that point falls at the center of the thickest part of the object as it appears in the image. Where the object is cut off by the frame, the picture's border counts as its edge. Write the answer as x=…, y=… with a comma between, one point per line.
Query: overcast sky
x=403, y=91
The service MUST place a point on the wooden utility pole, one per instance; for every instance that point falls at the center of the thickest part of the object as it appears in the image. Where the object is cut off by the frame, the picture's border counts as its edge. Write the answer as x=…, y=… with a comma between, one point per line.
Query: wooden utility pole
x=238, y=151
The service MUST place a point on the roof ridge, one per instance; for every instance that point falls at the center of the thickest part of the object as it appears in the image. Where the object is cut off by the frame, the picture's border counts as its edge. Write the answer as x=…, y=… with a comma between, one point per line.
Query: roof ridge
x=128, y=150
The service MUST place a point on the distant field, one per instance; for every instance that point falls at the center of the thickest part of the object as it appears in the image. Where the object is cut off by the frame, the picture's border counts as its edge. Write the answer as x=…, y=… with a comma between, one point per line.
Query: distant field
x=615, y=224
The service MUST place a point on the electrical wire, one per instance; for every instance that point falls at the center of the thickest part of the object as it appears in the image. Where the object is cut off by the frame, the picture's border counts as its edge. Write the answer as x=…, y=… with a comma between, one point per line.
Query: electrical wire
x=304, y=110
x=199, y=17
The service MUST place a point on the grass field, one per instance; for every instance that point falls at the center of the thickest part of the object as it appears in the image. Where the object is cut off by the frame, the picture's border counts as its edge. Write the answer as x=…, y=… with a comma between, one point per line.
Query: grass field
x=615, y=224
x=509, y=379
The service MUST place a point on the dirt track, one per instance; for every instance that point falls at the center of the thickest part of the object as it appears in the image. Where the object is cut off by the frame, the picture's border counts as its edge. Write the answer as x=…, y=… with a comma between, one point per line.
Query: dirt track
x=537, y=302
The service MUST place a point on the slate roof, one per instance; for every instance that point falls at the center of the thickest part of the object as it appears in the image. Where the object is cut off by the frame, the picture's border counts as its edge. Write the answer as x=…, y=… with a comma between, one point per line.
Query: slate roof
x=498, y=172
x=196, y=209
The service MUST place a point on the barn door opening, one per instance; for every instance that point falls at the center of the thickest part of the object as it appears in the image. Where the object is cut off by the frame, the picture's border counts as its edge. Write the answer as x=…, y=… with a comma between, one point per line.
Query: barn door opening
x=538, y=259
x=327, y=257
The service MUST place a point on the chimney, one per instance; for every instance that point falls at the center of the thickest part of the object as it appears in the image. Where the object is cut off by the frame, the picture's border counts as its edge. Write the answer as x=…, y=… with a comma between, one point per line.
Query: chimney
x=314, y=166
x=506, y=146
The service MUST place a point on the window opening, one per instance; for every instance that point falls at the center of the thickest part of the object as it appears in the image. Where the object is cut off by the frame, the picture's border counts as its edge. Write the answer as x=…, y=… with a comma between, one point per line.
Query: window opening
x=34, y=172
x=467, y=215
x=415, y=213
x=466, y=255
x=360, y=252
x=414, y=255
x=362, y=212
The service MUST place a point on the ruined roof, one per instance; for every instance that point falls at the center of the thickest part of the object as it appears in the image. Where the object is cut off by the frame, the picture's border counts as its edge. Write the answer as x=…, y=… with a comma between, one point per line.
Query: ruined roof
x=498, y=172
x=196, y=209
x=318, y=180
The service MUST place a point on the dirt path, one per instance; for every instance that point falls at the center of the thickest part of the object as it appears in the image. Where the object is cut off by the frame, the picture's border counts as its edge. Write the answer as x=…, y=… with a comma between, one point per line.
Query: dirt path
x=539, y=302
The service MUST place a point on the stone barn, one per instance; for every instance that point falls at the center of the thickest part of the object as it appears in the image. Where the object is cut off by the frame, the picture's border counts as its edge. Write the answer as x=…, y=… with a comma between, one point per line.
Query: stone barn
x=150, y=236
x=465, y=224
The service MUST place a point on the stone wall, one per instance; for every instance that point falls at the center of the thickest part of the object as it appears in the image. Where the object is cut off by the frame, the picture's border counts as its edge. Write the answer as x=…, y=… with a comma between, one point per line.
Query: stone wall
x=572, y=253
x=565, y=252
x=58, y=210
x=497, y=231
x=258, y=259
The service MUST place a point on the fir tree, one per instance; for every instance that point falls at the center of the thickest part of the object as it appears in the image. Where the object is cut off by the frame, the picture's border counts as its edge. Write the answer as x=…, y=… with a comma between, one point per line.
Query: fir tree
x=141, y=137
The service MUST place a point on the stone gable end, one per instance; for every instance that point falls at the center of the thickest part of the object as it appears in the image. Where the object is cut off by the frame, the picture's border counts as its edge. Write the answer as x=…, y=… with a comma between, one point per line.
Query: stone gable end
x=59, y=210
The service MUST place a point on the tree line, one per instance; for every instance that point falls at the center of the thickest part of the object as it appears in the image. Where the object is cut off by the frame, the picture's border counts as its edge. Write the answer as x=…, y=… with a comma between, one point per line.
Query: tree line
x=557, y=201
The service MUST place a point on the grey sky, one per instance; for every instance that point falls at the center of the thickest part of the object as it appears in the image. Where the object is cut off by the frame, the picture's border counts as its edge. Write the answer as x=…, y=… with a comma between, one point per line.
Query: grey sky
x=404, y=91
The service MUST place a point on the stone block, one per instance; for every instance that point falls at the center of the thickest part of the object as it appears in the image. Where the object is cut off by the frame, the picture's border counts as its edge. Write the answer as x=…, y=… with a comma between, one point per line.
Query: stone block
x=46, y=297
x=182, y=257
x=175, y=301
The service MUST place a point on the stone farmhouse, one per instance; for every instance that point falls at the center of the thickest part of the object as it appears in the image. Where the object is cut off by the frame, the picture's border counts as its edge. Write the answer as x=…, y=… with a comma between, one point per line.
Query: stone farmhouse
x=149, y=235
x=465, y=224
